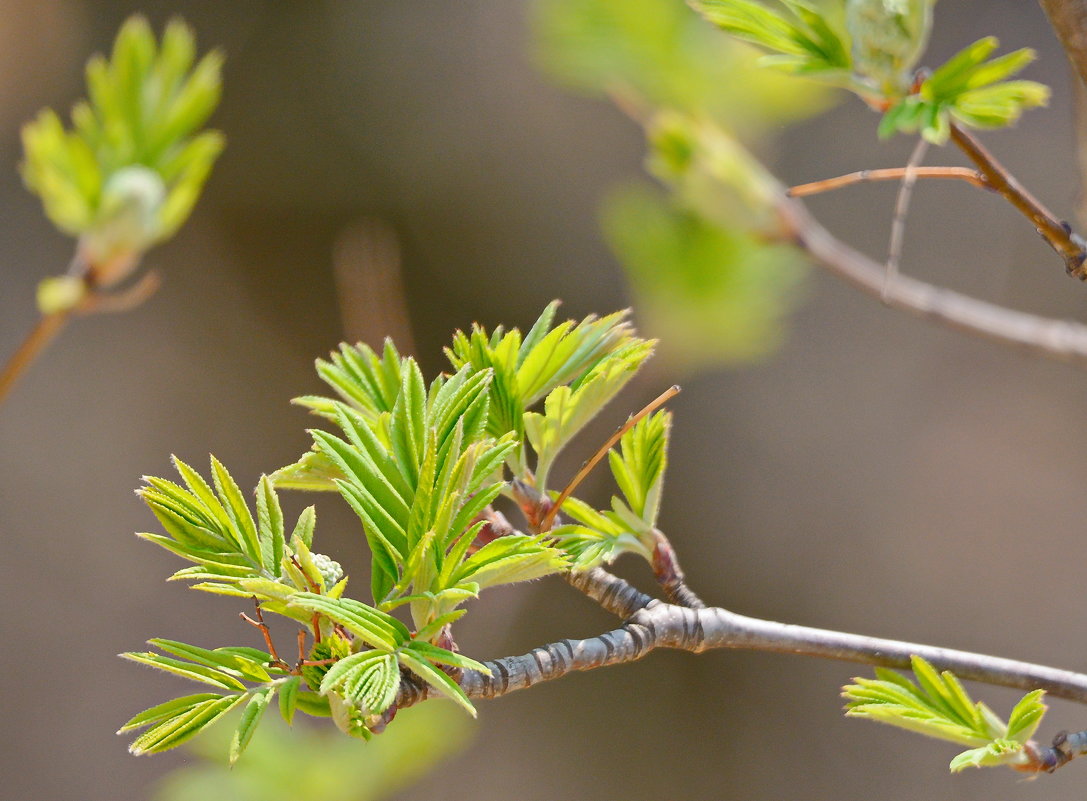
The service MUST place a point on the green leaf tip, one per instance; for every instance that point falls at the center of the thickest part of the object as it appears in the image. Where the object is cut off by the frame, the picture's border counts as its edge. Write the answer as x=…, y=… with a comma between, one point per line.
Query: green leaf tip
x=128, y=171
x=937, y=705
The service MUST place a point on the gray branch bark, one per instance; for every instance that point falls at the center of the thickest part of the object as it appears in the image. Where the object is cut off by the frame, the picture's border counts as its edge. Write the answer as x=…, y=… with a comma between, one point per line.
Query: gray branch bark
x=663, y=625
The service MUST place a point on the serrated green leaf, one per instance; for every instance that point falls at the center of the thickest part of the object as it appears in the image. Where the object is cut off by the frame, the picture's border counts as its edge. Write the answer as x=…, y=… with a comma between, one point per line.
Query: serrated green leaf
x=270, y=526
x=174, y=731
x=288, y=698
x=166, y=711
x=186, y=670
x=251, y=716
x=1025, y=717
x=244, y=666
x=314, y=472
x=375, y=628
x=432, y=653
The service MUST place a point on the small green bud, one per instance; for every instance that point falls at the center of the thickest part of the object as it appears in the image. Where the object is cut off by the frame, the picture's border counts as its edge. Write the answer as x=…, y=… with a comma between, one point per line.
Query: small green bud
x=60, y=293
x=126, y=225
x=330, y=570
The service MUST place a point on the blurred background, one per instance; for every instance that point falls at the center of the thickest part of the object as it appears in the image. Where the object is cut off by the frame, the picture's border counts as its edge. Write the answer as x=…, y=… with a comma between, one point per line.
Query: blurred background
x=841, y=465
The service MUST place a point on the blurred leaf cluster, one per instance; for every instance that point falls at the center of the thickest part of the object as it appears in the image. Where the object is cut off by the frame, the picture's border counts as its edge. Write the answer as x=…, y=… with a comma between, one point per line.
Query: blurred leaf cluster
x=872, y=48
x=127, y=173
x=308, y=764
x=710, y=284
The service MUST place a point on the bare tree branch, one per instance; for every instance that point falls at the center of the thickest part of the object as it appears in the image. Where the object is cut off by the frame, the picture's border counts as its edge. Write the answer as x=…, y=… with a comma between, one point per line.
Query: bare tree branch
x=662, y=625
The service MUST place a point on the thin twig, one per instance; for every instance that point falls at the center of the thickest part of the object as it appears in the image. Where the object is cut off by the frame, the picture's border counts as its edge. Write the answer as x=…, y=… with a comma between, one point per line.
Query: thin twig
x=1055, y=231
x=587, y=467
x=889, y=174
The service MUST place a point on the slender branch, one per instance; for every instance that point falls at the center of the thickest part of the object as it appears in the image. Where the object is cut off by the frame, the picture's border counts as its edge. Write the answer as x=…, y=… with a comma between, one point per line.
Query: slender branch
x=1055, y=339
x=889, y=174
x=1069, y=21
x=1056, y=232
x=662, y=625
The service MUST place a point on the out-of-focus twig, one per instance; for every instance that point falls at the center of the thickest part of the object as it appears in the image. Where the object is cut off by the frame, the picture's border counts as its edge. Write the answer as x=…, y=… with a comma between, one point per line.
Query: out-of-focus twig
x=369, y=285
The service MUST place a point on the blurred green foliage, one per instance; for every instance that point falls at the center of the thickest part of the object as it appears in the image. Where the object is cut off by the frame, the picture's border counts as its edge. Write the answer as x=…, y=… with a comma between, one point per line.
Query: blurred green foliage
x=719, y=294
x=127, y=173
x=305, y=763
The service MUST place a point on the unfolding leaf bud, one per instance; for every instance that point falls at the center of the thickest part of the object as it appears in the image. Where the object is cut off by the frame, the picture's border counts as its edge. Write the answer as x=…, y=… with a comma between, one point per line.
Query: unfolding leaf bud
x=126, y=225
x=889, y=37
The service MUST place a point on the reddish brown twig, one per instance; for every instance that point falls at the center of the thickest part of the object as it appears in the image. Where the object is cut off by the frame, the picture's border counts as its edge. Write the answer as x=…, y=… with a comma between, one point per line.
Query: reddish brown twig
x=1055, y=231
x=587, y=467
x=266, y=633
x=973, y=177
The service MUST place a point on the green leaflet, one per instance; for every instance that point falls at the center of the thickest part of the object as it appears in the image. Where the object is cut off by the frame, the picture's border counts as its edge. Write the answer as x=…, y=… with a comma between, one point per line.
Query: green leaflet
x=369, y=679
x=173, y=731
x=807, y=35
x=971, y=88
x=568, y=408
x=601, y=537
x=288, y=698
x=639, y=464
x=251, y=716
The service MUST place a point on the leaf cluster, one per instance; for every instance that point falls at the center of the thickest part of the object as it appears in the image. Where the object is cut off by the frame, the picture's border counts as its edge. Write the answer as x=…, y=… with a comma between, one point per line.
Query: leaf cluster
x=872, y=47
x=973, y=89
x=128, y=172
x=938, y=706
x=420, y=465
x=802, y=38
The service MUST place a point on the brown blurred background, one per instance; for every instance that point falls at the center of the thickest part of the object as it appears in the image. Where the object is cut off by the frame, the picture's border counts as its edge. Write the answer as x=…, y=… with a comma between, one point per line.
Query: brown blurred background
x=878, y=475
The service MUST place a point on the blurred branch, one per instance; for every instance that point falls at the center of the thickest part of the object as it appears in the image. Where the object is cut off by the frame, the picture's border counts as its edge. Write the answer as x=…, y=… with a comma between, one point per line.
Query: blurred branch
x=92, y=301
x=370, y=287
x=1069, y=21
x=1056, y=339
x=662, y=625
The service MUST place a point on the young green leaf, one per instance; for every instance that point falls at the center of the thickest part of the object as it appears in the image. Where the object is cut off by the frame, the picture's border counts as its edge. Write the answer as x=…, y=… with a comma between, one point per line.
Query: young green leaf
x=174, y=731
x=251, y=716
x=288, y=698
